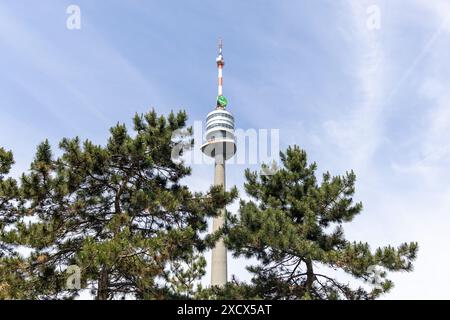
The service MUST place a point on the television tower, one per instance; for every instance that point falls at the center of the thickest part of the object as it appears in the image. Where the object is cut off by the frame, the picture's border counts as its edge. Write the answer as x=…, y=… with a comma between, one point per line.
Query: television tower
x=220, y=144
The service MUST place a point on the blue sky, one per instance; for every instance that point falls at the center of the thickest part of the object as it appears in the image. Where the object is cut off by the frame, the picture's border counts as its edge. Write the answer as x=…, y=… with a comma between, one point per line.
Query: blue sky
x=375, y=101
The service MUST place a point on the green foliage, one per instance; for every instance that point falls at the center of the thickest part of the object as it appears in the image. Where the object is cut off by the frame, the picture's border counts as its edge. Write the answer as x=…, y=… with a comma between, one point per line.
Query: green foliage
x=8, y=199
x=293, y=226
x=119, y=212
x=8, y=188
x=183, y=275
x=12, y=267
x=6, y=161
x=233, y=290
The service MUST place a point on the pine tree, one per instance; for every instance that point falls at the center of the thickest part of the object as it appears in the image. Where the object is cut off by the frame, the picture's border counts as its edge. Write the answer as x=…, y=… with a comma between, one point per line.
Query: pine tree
x=119, y=213
x=183, y=276
x=293, y=225
x=12, y=266
x=232, y=290
x=8, y=195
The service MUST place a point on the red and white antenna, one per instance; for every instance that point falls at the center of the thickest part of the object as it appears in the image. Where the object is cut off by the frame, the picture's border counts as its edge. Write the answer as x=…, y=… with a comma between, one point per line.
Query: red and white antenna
x=220, y=63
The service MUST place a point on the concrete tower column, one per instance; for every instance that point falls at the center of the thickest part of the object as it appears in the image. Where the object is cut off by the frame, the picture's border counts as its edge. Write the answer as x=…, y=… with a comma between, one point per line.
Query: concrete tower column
x=219, y=252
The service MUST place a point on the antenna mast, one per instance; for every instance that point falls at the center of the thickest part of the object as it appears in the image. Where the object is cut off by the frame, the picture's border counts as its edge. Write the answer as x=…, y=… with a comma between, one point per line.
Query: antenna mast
x=221, y=101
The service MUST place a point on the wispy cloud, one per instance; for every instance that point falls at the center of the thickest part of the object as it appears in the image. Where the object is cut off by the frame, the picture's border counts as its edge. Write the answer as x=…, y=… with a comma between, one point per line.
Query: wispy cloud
x=432, y=137
x=358, y=130
x=76, y=66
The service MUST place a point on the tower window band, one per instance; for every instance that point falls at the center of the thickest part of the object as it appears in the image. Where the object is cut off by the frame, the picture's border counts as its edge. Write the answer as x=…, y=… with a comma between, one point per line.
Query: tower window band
x=220, y=125
x=222, y=114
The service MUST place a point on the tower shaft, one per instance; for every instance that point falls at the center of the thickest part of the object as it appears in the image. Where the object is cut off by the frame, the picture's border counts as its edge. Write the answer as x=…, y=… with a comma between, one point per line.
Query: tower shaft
x=219, y=252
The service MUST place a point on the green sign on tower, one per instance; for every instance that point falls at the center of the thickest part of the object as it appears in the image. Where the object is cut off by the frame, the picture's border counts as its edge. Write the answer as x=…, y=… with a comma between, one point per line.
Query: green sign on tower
x=222, y=101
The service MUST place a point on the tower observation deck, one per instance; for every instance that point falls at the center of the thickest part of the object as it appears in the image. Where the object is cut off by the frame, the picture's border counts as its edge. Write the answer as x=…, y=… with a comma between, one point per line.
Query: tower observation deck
x=220, y=144
x=220, y=138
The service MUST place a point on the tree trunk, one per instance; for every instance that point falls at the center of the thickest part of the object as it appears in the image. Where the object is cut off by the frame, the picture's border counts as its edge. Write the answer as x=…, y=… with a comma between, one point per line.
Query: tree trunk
x=102, y=290
x=309, y=275
x=103, y=281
